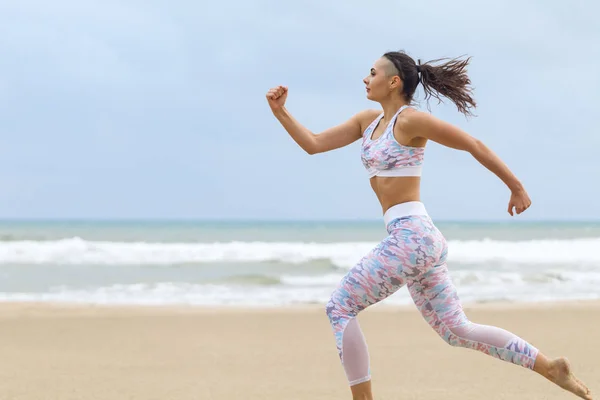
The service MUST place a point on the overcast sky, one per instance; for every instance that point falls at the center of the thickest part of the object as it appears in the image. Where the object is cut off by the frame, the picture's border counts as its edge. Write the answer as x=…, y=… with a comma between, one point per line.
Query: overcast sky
x=148, y=109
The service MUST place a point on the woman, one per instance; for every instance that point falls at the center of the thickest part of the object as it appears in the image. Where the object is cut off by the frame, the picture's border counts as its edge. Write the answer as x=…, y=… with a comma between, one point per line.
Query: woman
x=414, y=253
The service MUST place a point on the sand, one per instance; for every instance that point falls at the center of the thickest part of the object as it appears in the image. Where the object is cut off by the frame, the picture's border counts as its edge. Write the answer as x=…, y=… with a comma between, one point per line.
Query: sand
x=66, y=352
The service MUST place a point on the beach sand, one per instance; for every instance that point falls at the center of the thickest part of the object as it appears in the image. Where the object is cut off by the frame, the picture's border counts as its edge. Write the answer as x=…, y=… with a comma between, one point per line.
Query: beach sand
x=81, y=352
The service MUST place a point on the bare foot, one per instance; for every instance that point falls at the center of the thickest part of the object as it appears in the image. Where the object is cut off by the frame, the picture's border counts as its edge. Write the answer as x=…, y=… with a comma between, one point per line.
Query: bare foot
x=560, y=373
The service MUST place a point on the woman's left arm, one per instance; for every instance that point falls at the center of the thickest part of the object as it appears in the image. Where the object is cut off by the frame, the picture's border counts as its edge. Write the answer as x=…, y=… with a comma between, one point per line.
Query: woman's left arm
x=420, y=124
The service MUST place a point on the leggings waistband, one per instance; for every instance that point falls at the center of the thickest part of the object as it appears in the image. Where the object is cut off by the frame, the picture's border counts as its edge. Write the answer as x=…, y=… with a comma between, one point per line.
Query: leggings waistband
x=404, y=210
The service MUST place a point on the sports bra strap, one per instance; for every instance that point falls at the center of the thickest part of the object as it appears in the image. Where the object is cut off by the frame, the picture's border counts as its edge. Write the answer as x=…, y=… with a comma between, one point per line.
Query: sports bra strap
x=404, y=107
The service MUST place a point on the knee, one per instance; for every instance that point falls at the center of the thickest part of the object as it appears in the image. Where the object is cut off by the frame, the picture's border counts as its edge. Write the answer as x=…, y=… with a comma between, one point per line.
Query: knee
x=454, y=336
x=332, y=308
x=450, y=338
x=336, y=307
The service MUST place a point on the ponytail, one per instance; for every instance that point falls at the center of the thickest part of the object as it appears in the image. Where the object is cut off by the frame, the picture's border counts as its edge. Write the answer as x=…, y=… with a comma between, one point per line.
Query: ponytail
x=448, y=79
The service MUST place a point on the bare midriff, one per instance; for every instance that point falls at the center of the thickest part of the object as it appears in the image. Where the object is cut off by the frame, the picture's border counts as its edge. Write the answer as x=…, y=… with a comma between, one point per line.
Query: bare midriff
x=395, y=190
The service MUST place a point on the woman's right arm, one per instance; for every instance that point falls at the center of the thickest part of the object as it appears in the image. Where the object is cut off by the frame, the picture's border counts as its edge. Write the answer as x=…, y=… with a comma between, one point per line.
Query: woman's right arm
x=330, y=139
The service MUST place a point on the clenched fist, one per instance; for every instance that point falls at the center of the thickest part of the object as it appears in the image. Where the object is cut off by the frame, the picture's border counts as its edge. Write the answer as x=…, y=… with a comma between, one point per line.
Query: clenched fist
x=519, y=201
x=276, y=97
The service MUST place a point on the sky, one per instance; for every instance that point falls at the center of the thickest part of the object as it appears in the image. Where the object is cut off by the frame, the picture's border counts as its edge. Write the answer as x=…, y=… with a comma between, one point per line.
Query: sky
x=147, y=109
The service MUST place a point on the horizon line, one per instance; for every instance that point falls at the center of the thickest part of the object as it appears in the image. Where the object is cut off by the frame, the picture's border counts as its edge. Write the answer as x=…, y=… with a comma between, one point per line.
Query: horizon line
x=279, y=220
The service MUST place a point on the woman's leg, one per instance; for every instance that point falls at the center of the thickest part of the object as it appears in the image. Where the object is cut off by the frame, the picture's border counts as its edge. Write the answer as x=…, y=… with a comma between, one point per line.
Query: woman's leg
x=373, y=279
x=412, y=248
x=436, y=297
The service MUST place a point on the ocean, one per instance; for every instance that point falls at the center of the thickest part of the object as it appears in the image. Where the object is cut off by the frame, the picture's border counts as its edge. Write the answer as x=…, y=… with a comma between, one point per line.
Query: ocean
x=272, y=264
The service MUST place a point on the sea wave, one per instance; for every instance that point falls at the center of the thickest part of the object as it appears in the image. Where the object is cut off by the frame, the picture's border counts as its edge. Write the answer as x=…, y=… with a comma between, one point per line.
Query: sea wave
x=179, y=293
x=344, y=255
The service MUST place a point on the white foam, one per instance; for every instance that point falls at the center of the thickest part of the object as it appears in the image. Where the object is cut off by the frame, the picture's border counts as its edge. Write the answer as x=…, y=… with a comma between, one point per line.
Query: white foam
x=318, y=280
x=173, y=293
x=168, y=293
x=580, y=252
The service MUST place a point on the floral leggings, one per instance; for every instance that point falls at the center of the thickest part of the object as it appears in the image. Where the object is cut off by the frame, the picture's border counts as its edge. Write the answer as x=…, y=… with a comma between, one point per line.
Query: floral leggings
x=414, y=254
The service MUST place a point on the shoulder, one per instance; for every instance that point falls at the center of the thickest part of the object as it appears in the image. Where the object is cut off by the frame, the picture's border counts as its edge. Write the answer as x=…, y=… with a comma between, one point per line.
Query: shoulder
x=412, y=116
x=424, y=125
x=414, y=122
x=365, y=117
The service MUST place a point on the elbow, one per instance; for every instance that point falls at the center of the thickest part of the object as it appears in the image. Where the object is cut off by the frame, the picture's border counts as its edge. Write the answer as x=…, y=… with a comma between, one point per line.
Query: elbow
x=475, y=147
x=312, y=147
x=310, y=150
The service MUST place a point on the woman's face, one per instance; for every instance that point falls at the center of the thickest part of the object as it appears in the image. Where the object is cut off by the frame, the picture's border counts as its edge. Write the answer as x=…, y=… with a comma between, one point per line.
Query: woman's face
x=382, y=80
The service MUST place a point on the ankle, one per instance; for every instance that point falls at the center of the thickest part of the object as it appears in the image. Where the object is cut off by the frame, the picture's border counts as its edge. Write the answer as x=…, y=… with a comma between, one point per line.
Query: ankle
x=362, y=391
x=362, y=396
x=543, y=366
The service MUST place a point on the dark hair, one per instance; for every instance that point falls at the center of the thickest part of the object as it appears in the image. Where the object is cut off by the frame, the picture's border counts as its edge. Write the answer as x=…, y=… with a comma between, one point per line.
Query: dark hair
x=449, y=79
